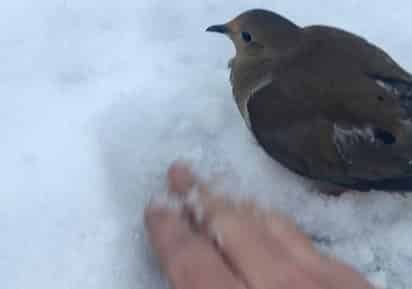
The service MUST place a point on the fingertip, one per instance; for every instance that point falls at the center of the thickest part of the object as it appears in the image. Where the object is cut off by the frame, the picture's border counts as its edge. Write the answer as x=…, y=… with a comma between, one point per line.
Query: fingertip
x=152, y=216
x=165, y=227
x=180, y=177
x=161, y=205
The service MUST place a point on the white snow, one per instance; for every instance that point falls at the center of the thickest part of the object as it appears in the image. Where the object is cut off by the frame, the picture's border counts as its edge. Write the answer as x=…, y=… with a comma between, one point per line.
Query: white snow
x=97, y=97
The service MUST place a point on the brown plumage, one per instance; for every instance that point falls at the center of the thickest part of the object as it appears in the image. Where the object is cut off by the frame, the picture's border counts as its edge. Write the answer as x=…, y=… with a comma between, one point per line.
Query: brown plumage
x=325, y=103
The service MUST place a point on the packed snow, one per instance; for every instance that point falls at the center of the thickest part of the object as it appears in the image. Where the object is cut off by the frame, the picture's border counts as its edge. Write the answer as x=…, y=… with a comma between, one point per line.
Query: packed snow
x=97, y=97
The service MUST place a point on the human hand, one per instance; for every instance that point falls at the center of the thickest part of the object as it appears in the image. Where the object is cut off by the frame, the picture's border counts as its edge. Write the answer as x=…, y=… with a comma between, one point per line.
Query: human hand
x=206, y=241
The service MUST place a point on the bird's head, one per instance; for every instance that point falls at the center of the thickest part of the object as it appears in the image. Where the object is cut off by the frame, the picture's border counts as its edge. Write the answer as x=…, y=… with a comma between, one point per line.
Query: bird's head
x=259, y=33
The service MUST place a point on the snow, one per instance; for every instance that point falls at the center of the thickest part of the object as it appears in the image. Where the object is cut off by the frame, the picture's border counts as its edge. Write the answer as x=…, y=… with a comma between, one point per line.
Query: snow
x=97, y=97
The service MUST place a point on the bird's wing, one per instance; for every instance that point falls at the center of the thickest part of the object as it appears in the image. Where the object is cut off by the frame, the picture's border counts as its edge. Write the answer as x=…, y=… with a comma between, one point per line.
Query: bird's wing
x=323, y=126
x=349, y=56
x=340, y=43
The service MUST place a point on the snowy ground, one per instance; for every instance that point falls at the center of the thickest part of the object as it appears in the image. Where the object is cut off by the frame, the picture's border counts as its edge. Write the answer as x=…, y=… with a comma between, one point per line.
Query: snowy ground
x=98, y=96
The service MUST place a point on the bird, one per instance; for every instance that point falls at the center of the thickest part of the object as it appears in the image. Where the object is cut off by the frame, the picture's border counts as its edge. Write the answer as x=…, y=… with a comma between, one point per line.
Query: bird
x=325, y=103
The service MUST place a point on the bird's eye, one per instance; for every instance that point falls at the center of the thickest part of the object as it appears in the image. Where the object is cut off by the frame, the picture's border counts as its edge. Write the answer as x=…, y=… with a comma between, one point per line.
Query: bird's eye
x=246, y=37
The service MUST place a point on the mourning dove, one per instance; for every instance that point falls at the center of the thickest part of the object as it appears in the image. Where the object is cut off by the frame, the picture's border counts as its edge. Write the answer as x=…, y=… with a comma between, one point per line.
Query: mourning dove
x=325, y=103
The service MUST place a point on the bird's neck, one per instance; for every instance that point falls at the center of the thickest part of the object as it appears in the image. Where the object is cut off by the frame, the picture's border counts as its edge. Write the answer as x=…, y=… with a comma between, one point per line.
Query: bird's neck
x=247, y=77
x=247, y=72
x=252, y=73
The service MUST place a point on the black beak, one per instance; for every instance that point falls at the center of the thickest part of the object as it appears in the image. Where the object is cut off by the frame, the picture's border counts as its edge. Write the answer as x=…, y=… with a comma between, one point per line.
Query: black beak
x=218, y=28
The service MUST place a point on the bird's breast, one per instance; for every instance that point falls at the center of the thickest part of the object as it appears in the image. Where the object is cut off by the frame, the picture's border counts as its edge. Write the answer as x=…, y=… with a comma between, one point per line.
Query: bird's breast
x=243, y=91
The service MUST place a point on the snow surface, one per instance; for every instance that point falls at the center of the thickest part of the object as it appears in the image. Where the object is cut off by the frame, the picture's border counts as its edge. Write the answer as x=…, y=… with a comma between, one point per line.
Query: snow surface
x=97, y=97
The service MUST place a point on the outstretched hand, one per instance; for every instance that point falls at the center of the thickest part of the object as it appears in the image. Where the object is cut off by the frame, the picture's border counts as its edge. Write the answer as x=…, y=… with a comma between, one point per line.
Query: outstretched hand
x=206, y=241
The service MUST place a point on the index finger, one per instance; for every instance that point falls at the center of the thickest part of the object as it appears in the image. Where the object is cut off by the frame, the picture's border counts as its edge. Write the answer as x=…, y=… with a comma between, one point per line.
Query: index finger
x=189, y=259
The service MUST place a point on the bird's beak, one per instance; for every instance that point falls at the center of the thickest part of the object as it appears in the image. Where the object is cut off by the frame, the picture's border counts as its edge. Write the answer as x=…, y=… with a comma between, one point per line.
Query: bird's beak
x=218, y=28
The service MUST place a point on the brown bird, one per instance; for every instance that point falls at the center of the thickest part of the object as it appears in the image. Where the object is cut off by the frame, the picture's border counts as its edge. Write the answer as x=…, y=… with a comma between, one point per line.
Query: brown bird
x=325, y=103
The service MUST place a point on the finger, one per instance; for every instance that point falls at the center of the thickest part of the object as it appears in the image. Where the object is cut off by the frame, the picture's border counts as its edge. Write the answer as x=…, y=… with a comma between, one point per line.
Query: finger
x=190, y=261
x=241, y=234
x=322, y=269
x=333, y=274
x=258, y=259
x=285, y=231
x=184, y=184
x=180, y=178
